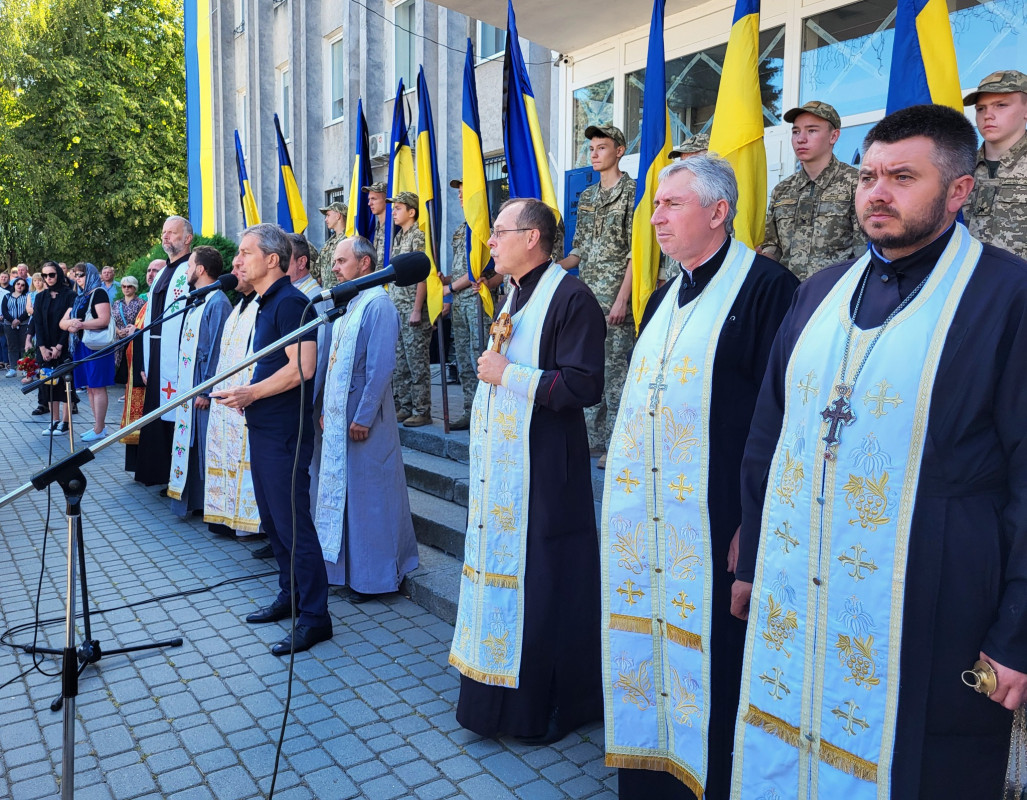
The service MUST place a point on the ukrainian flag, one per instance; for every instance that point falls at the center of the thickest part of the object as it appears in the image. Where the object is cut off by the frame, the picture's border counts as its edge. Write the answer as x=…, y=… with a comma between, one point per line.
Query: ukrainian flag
x=737, y=133
x=401, y=165
x=250, y=215
x=199, y=116
x=360, y=219
x=526, y=160
x=478, y=221
x=653, y=156
x=923, y=61
x=291, y=215
x=428, y=193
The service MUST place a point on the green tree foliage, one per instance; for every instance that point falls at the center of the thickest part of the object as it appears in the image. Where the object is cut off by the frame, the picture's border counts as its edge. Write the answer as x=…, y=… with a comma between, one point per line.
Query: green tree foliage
x=92, y=127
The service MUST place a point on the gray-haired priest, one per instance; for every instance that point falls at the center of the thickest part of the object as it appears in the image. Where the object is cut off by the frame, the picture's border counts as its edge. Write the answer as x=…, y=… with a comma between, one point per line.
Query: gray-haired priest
x=672, y=652
x=884, y=483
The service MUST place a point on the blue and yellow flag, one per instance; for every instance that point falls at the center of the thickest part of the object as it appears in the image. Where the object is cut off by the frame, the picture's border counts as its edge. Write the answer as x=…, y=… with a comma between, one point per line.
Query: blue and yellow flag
x=401, y=165
x=737, y=133
x=526, y=159
x=653, y=156
x=199, y=116
x=360, y=219
x=428, y=219
x=923, y=61
x=250, y=215
x=478, y=221
x=291, y=215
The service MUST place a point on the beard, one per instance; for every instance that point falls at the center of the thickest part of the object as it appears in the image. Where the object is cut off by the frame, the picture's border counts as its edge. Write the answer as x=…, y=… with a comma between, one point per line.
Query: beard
x=173, y=250
x=913, y=230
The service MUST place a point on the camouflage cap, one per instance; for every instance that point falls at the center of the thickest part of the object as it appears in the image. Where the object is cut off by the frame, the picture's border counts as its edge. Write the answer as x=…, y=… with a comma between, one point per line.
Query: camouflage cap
x=699, y=143
x=607, y=132
x=338, y=205
x=409, y=199
x=456, y=183
x=1001, y=82
x=375, y=187
x=818, y=109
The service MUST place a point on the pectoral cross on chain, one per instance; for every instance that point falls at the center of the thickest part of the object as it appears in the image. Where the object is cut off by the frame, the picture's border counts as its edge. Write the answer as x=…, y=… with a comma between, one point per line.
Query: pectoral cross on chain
x=656, y=387
x=501, y=331
x=837, y=413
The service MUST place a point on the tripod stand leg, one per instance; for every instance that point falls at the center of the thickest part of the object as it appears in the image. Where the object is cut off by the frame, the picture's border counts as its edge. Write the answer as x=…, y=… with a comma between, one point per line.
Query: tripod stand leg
x=69, y=672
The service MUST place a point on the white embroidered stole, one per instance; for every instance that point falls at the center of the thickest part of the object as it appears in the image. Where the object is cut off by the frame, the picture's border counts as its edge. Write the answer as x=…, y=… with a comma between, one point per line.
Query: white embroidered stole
x=183, y=432
x=490, y=617
x=228, y=491
x=170, y=331
x=330, y=514
x=656, y=563
x=820, y=685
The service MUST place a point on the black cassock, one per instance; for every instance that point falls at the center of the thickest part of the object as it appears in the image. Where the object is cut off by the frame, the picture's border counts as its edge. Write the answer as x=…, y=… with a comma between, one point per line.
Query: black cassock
x=560, y=670
x=966, y=573
x=153, y=454
x=740, y=363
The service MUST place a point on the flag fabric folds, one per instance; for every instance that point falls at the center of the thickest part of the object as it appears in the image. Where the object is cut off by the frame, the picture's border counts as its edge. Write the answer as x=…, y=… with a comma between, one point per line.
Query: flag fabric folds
x=526, y=159
x=401, y=165
x=478, y=221
x=360, y=219
x=653, y=156
x=428, y=194
x=923, y=62
x=250, y=215
x=291, y=215
x=199, y=116
x=737, y=133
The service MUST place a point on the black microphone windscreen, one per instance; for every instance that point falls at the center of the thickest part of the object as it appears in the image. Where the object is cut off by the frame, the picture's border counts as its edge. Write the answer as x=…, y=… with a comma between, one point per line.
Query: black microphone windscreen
x=411, y=268
x=228, y=281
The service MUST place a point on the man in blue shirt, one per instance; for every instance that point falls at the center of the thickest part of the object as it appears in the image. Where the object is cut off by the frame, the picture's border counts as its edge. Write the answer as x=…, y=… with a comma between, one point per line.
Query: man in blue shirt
x=278, y=426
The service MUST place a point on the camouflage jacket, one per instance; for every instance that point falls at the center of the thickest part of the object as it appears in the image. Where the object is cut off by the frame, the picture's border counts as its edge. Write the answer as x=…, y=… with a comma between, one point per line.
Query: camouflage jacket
x=409, y=241
x=321, y=269
x=996, y=211
x=602, y=237
x=812, y=224
x=379, y=244
x=459, y=265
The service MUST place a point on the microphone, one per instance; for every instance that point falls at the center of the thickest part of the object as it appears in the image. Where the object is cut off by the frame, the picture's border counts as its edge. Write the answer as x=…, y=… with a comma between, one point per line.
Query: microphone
x=406, y=269
x=226, y=282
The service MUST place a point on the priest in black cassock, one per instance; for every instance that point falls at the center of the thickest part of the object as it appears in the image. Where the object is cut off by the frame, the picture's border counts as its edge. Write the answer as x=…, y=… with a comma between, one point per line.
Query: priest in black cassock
x=672, y=652
x=527, y=631
x=883, y=545
x=160, y=353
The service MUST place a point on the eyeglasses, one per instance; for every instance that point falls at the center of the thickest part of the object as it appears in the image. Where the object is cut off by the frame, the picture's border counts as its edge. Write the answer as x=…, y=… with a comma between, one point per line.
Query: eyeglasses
x=49, y=274
x=127, y=286
x=497, y=233
x=78, y=275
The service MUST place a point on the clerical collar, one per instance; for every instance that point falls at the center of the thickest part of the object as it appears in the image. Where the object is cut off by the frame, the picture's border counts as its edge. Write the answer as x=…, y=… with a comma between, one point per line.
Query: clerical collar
x=693, y=283
x=180, y=260
x=526, y=285
x=921, y=261
x=246, y=298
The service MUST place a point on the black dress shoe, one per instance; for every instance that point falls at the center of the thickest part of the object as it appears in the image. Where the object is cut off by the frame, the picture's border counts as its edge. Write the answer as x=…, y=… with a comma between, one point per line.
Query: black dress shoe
x=38, y=411
x=359, y=598
x=273, y=613
x=306, y=637
x=552, y=735
x=264, y=552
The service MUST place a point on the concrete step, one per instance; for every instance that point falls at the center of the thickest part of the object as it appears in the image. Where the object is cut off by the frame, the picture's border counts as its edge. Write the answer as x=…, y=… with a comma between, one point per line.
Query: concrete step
x=437, y=522
x=436, y=475
x=435, y=584
x=433, y=440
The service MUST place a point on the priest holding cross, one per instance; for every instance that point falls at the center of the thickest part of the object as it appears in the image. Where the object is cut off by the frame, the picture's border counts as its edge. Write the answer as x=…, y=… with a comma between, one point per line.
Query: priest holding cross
x=527, y=631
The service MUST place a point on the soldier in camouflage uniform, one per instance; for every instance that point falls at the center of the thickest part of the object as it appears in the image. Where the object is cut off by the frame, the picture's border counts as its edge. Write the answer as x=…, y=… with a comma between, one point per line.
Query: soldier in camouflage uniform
x=466, y=344
x=996, y=211
x=695, y=145
x=411, y=382
x=812, y=221
x=376, y=202
x=335, y=218
x=602, y=252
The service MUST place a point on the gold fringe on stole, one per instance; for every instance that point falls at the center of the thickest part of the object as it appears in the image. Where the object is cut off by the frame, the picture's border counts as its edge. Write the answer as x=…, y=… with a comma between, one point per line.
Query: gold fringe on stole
x=833, y=755
x=482, y=677
x=622, y=622
x=684, y=638
x=492, y=578
x=656, y=764
x=233, y=522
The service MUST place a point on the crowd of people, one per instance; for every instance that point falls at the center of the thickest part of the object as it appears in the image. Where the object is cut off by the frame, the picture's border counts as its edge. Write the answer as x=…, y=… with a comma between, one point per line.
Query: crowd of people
x=813, y=516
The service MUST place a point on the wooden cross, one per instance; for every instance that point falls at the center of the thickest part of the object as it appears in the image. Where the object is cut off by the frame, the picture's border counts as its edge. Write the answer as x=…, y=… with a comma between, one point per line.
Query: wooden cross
x=841, y=413
x=629, y=592
x=501, y=331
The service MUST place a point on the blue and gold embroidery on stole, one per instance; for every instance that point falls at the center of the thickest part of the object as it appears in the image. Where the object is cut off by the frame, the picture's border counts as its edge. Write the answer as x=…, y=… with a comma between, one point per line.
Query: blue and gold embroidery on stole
x=820, y=682
x=657, y=583
x=490, y=616
x=183, y=430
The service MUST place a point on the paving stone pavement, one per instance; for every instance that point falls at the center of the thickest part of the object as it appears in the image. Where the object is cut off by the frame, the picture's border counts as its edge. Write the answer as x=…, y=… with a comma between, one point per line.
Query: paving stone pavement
x=373, y=710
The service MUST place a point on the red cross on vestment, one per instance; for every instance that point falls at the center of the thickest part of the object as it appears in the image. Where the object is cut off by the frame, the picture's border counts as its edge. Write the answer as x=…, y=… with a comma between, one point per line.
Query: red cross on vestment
x=169, y=390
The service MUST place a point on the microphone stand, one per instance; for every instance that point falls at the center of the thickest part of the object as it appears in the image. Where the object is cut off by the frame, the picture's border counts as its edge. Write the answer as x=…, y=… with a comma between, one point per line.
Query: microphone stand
x=67, y=474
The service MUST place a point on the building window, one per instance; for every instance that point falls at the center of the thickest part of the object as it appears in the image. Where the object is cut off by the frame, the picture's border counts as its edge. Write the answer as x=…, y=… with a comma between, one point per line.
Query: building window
x=989, y=35
x=338, y=94
x=285, y=112
x=497, y=187
x=593, y=105
x=406, y=50
x=692, y=85
x=491, y=40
